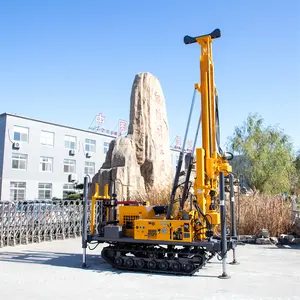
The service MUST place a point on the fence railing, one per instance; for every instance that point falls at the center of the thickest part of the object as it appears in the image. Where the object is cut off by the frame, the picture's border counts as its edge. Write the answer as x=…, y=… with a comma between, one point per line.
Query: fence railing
x=35, y=221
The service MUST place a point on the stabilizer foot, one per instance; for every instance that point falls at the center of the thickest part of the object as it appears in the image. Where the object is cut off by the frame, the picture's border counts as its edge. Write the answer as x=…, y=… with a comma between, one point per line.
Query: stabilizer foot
x=235, y=262
x=224, y=276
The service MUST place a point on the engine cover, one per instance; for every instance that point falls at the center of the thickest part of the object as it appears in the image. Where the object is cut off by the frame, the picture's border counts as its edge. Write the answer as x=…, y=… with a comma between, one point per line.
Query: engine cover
x=163, y=230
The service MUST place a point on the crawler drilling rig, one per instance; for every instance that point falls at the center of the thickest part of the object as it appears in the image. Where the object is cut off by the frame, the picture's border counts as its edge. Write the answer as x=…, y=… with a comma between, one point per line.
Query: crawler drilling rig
x=158, y=238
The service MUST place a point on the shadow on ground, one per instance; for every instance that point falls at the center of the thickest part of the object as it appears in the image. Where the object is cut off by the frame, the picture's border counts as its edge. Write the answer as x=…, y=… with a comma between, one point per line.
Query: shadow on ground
x=57, y=259
x=95, y=263
x=273, y=246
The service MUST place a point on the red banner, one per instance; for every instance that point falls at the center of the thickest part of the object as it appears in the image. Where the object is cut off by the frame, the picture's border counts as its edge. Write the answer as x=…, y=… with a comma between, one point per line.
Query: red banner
x=122, y=126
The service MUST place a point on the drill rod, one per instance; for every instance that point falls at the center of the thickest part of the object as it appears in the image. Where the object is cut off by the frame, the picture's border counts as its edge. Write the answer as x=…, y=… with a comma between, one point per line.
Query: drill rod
x=178, y=170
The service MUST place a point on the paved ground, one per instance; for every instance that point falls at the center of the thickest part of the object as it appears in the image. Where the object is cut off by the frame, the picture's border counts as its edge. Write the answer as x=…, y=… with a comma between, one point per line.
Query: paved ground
x=52, y=270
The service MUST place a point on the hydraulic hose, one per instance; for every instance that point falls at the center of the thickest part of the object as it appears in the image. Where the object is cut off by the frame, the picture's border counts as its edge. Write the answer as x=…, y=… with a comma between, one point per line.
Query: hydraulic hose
x=203, y=215
x=190, y=166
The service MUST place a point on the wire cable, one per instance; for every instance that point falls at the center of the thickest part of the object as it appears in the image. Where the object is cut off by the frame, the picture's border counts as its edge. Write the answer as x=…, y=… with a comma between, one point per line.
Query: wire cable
x=97, y=244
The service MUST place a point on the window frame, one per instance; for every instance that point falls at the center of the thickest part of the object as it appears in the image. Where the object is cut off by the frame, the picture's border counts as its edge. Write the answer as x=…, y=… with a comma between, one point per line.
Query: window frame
x=19, y=160
x=104, y=147
x=17, y=189
x=89, y=167
x=75, y=143
x=41, y=137
x=20, y=127
x=66, y=190
x=44, y=189
x=41, y=164
x=68, y=164
x=91, y=145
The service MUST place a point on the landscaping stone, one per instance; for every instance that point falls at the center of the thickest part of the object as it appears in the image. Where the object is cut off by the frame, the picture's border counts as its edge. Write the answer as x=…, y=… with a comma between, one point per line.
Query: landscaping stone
x=286, y=239
x=263, y=241
x=274, y=240
x=296, y=241
x=250, y=239
x=141, y=161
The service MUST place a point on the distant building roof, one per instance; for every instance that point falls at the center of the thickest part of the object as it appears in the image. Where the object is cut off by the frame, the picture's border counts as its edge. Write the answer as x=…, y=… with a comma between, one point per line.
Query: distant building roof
x=65, y=126
x=55, y=124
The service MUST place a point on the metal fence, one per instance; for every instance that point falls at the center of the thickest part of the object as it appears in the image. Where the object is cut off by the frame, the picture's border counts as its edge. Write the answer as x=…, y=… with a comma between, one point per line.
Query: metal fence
x=36, y=221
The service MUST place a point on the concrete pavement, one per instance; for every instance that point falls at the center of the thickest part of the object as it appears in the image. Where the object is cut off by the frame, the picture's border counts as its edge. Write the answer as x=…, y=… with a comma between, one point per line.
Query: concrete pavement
x=52, y=270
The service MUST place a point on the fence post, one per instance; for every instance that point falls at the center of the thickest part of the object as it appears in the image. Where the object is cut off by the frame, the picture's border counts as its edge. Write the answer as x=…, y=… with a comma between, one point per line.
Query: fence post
x=2, y=226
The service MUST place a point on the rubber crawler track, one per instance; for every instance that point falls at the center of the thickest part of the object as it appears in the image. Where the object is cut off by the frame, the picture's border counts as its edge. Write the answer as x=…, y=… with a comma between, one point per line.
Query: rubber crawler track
x=155, y=259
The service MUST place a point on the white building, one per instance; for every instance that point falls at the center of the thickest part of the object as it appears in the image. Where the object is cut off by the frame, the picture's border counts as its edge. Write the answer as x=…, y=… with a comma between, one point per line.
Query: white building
x=37, y=158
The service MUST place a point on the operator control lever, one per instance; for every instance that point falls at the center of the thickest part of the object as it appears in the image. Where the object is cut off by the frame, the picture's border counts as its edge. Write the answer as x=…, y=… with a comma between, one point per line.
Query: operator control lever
x=190, y=40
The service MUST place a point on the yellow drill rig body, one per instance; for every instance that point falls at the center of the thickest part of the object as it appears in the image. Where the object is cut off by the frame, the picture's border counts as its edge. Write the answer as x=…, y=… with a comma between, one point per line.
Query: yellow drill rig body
x=155, y=238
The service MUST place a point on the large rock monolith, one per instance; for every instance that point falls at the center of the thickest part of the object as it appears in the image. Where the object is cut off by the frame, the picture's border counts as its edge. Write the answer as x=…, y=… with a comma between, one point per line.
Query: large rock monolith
x=141, y=161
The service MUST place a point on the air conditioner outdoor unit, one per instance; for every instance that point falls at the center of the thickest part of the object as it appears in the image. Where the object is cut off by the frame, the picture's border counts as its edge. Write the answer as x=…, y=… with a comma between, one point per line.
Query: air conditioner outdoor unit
x=72, y=152
x=16, y=145
x=88, y=154
x=72, y=178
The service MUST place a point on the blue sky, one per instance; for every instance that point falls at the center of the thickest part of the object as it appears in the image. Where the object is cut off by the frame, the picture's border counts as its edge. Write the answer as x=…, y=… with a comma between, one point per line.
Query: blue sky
x=66, y=61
